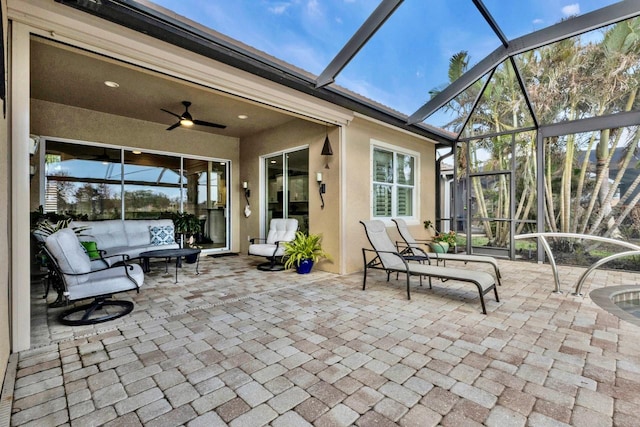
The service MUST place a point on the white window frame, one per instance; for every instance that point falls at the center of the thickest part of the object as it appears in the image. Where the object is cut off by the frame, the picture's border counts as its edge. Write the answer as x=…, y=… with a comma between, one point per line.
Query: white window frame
x=395, y=150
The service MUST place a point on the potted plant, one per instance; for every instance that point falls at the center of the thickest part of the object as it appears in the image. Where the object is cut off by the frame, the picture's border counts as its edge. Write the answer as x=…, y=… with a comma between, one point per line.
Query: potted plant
x=440, y=242
x=186, y=224
x=303, y=251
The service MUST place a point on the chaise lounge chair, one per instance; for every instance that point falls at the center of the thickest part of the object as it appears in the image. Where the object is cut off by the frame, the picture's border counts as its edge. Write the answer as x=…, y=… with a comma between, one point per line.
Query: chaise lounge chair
x=413, y=245
x=387, y=258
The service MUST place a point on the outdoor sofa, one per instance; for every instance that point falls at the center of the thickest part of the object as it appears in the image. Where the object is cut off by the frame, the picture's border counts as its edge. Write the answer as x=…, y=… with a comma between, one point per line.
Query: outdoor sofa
x=126, y=237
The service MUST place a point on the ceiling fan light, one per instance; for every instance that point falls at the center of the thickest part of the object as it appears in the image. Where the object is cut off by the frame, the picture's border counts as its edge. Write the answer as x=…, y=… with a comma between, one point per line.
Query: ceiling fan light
x=186, y=122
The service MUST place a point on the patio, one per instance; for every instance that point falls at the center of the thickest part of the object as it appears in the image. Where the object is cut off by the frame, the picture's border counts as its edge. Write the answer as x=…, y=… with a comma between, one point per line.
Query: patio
x=237, y=346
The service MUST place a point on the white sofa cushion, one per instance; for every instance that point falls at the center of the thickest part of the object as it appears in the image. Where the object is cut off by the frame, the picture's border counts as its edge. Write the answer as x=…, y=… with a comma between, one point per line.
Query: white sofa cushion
x=107, y=234
x=70, y=256
x=129, y=237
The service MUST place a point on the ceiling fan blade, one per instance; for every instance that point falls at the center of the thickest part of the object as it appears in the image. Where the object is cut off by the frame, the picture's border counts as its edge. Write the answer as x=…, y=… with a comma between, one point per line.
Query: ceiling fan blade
x=213, y=125
x=172, y=127
x=173, y=114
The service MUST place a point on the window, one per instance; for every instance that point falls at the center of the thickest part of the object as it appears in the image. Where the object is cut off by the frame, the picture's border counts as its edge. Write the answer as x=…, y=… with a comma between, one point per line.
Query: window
x=394, y=182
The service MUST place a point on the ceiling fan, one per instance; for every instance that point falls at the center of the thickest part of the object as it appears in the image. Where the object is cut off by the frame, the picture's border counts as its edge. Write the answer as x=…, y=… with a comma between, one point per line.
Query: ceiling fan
x=185, y=119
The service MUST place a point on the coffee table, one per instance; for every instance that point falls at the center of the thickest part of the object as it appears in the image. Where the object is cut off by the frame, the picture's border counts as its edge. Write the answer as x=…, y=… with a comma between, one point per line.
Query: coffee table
x=168, y=254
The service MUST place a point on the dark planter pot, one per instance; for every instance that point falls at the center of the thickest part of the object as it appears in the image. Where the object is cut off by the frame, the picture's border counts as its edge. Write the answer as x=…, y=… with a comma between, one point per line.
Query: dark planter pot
x=304, y=267
x=191, y=259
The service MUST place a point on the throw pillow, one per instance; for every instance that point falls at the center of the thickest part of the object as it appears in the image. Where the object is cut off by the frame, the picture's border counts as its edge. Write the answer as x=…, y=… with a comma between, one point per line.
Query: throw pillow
x=162, y=235
x=92, y=249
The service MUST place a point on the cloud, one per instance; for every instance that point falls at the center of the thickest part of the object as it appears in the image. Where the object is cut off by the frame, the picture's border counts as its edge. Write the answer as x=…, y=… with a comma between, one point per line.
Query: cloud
x=571, y=9
x=537, y=21
x=279, y=8
x=313, y=7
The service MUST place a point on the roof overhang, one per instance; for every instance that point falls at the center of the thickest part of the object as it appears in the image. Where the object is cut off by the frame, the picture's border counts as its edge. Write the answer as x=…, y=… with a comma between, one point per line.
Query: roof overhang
x=143, y=19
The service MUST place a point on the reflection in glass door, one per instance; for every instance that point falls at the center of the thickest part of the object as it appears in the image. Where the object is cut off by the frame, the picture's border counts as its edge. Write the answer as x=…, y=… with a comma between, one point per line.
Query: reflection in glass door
x=99, y=183
x=206, y=185
x=287, y=187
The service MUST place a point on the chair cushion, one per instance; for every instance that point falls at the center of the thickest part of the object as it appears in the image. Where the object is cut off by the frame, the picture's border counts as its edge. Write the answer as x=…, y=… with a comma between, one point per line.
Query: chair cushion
x=282, y=230
x=265, y=250
x=162, y=235
x=107, y=282
x=70, y=255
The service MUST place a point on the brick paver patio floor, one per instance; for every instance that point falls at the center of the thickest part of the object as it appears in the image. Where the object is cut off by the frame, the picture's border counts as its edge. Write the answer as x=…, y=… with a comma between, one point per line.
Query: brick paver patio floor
x=237, y=346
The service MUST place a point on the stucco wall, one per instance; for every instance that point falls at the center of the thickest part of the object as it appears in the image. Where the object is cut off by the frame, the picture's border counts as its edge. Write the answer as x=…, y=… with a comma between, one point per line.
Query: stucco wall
x=297, y=133
x=5, y=168
x=57, y=120
x=358, y=184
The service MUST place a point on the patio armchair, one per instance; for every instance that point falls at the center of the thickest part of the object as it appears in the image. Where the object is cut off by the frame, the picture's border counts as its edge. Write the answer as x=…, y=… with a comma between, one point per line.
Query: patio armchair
x=413, y=247
x=386, y=257
x=80, y=280
x=281, y=230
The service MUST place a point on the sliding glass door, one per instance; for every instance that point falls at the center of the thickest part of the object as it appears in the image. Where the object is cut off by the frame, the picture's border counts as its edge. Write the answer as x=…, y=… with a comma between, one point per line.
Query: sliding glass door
x=287, y=187
x=206, y=197
x=111, y=183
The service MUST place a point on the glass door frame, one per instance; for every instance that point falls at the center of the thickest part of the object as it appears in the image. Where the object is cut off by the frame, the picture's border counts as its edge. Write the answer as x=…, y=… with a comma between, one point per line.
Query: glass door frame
x=264, y=183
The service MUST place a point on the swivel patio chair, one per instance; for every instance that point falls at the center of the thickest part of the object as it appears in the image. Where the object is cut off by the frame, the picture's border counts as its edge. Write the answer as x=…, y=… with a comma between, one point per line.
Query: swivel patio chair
x=81, y=282
x=388, y=258
x=281, y=230
x=413, y=246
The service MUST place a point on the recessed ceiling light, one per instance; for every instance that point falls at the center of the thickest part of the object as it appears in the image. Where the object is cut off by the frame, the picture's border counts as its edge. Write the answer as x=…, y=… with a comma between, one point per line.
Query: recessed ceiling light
x=111, y=84
x=137, y=152
x=243, y=116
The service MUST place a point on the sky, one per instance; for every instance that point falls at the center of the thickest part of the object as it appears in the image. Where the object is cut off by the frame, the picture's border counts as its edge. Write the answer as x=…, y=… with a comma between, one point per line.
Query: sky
x=406, y=58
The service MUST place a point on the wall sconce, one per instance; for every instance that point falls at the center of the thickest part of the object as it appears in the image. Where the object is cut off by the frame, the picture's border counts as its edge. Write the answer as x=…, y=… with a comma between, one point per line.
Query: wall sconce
x=327, y=150
x=321, y=188
x=34, y=141
x=247, y=192
x=32, y=171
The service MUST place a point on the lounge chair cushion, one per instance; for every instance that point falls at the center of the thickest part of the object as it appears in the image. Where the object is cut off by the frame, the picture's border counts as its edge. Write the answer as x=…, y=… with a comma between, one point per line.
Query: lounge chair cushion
x=412, y=243
x=485, y=280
